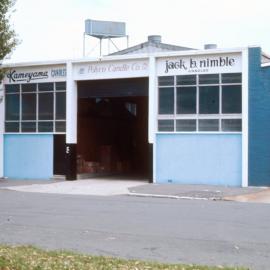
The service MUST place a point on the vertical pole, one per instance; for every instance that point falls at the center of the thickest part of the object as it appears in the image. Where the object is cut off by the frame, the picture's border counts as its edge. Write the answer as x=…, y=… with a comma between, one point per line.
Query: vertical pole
x=71, y=126
x=100, y=47
x=84, y=44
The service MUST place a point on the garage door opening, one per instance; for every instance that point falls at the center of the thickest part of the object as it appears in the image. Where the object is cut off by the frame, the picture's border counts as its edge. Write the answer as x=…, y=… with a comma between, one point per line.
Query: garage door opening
x=113, y=129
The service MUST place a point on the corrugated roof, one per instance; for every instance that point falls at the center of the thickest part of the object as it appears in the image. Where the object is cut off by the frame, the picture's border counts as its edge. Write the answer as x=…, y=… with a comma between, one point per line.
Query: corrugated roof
x=151, y=46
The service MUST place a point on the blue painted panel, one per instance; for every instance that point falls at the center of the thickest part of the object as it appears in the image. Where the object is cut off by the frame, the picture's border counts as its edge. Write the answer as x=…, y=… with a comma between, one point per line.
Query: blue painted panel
x=259, y=123
x=28, y=156
x=214, y=159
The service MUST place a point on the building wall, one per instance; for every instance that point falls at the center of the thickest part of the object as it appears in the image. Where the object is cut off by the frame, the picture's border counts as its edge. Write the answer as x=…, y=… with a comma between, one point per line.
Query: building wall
x=199, y=159
x=259, y=120
x=1, y=133
x=28, y=156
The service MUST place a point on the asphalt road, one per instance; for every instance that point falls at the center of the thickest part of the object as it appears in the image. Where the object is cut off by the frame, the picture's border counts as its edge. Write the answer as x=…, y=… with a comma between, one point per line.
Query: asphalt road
x=167, y=230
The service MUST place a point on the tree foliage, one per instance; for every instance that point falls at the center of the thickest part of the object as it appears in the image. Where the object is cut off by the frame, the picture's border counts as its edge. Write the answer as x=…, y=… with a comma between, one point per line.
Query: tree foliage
x=8, y=40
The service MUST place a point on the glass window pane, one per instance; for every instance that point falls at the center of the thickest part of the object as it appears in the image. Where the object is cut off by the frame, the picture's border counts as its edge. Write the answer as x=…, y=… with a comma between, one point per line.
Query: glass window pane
x=166, y=80
x=209, y=99
x=28, y=126
x=165, y=125
x=208, y=125
x=29, y=107
x=45, y=87
x=12, y=127
x=60, y=126
x=231, y=78
x=186, y=80
x=60, y=86
x=45, y=106
x=232, y=99
x=12, y=107
x=186, y=125
x=166, y=100
x=30, y=87
x=12, y=88
x=209, y=79
x=61, y=105
x=231, y=124
x=186, y=100
x=45, y=126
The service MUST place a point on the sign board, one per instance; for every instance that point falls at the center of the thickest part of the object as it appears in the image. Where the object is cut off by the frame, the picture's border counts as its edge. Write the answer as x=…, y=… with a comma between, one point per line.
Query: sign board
x=111, y=70
x=198, y=64
x=35, y=74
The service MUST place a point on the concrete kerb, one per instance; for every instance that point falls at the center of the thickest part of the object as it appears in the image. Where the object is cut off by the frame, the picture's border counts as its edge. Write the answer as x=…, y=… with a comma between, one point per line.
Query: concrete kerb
x=111, y=187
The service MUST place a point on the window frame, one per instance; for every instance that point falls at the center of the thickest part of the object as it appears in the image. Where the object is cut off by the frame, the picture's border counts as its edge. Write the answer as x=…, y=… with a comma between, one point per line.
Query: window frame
x=220, y=116
x=20, y=121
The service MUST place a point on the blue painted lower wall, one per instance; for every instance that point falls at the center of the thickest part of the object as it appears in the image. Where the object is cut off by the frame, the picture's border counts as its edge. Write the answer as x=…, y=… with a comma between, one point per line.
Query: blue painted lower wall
x=28, y=156
x=214, y=159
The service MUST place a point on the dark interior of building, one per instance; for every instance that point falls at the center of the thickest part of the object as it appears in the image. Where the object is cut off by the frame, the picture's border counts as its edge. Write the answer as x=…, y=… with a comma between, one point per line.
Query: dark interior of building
x=113, y=128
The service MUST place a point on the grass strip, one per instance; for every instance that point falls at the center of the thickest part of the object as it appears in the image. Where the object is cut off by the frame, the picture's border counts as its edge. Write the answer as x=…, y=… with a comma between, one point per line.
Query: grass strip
x=31, y=258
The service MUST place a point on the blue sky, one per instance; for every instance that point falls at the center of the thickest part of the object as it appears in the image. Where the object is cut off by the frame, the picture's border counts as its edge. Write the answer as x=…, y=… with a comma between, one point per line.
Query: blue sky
x=53, y=29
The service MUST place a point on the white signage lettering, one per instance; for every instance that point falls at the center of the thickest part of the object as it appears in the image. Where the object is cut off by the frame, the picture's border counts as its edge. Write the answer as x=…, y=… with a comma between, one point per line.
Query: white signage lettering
x=199, y=64
x=123, y=69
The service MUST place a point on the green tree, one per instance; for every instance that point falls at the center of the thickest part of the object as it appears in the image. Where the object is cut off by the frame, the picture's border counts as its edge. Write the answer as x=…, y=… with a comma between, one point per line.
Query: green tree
x=8, y=39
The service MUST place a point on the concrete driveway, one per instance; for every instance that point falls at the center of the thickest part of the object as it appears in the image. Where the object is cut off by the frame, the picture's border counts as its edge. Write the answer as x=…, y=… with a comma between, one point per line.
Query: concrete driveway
x=100, y=187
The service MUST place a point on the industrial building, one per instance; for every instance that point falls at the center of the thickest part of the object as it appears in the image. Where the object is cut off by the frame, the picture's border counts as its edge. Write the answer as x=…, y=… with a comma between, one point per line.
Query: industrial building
x=154, y=111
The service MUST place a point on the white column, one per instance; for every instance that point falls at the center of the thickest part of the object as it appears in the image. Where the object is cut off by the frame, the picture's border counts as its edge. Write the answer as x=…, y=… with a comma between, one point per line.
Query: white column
x=245, y=117
x=152, y=110
x=71, y=107
x=152, y=100
x=1, y=131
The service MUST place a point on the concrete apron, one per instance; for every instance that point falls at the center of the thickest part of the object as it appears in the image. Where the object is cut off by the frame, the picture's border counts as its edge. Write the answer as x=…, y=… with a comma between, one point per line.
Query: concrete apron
x=99, y=187
x=259, y=197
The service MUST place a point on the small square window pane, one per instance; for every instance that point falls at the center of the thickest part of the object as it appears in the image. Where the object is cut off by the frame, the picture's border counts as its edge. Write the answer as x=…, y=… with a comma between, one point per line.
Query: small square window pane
x=186, y=125
x=45, y=106
x=30, y=87
x=232, y=99
x=29, y=107
x=231, y=124
x=12, y=127
x=60, y=126
x=209, y=99
x=166, y=100
x=12, y=107
x=28, y=126
x=45, y=87
x=208, y=125
x=186, y=80
x=231, y=77
x=60, y=86
x=166, y=81
x=165, y=125
x=209, y=79
x=12, y=88
x=61, y=105
x=45, y=126
x=186, y=100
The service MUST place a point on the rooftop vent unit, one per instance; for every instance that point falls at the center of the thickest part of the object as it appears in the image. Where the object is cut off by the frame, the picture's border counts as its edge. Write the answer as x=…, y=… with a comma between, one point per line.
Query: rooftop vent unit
x=210, y=46
x=104, y=30
x=154, y=38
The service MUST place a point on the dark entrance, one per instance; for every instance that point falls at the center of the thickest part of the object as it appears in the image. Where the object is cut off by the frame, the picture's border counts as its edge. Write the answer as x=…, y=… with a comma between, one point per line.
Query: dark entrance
x=113, y=128
x=59, y=160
